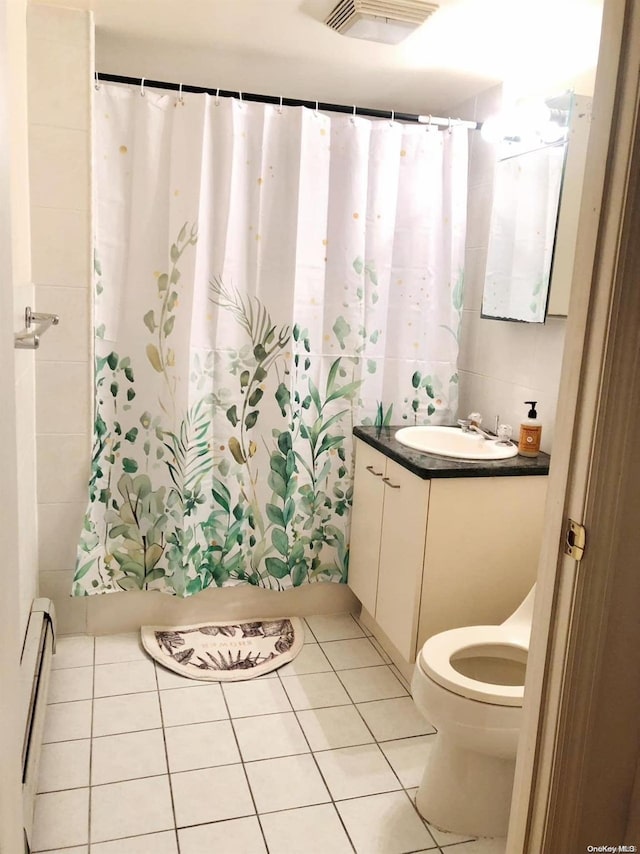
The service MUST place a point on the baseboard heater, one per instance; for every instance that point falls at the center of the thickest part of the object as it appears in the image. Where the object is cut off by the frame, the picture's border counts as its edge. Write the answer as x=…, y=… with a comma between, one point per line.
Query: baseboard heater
x=35, y=667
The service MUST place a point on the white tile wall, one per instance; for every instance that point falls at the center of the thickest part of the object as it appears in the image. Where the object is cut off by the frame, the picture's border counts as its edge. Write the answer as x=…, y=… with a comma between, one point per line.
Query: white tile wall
x=57, y=89
x=57, y=233
x=58, y=525
x=70, y=340
x=501, y=364
x=60, y=58
x=62, y=468
x=46, y=22
x=66, y=406
x=50, y=188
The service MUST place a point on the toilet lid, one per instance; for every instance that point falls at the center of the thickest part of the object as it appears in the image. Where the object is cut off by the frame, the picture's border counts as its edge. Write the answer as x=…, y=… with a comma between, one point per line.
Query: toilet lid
x=482, y=643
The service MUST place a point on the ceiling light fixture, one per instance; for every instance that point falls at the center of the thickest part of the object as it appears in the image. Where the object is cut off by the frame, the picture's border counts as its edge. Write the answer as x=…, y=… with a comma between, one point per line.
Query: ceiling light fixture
x=387, y=21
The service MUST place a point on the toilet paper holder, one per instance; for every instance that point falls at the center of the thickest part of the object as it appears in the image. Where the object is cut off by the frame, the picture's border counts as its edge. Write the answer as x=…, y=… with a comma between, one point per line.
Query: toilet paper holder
x=36, y=324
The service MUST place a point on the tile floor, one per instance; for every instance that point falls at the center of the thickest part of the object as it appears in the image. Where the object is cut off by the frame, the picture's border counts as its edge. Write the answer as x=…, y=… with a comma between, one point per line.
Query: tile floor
x=322, y=756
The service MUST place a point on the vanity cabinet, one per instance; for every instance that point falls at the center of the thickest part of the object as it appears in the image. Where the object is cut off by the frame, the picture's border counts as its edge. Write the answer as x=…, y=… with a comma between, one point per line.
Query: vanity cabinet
x=430, y=554
x=388, y=532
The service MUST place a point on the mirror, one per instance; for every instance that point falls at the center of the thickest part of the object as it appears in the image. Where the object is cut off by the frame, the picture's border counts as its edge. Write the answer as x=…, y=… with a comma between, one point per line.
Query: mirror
x=526, y=216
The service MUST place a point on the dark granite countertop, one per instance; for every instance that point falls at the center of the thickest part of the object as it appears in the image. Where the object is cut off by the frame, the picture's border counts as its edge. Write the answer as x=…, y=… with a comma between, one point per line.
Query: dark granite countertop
x=427, y=466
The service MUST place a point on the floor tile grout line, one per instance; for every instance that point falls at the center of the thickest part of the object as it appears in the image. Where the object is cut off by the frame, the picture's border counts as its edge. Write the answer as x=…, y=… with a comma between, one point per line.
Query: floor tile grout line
x=246, y=717
x=156, y=832
x=353, y=667
x=206, y=683
x=322, y=777
x=386, y=759
x=337, y=673
x=93, y=689
x=438, y=847
x=380, y=650
x=244, y=770
x=70, y=667
x=360, y=622
x=67, y=740
x=308, y=625
x=359, y=637
x=355, y=702
x=166, y=759
x=61, y=702
x=245, y=762
x=422, y=819
x=334, y=801
x=258, y=815
x=404, y=788
x=377, y=743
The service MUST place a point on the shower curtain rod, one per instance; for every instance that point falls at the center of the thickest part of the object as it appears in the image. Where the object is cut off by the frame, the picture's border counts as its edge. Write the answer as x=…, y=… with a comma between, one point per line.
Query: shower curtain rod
x=438, y=121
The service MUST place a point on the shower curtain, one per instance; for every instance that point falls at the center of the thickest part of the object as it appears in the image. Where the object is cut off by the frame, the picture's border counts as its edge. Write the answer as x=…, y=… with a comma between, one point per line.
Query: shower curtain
x=265, y=278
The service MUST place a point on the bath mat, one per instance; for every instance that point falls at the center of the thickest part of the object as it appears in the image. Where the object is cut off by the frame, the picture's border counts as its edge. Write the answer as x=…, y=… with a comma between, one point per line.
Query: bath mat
x=225, y=652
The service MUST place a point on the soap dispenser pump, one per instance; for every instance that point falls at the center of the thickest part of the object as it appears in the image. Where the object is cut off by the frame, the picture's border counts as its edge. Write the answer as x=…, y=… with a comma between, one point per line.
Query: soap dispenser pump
x=530, y=432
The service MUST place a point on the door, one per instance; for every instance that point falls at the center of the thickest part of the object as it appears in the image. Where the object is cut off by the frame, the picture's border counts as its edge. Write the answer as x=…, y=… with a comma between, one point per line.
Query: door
x=11, y=725
x=576, y=771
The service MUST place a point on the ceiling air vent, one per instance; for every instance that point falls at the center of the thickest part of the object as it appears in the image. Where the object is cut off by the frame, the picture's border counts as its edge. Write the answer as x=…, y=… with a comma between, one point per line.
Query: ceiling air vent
x=387, y=21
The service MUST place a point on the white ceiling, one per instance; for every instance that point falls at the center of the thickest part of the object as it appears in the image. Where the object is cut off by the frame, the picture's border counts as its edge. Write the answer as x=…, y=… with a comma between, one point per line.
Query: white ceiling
x=282, y=47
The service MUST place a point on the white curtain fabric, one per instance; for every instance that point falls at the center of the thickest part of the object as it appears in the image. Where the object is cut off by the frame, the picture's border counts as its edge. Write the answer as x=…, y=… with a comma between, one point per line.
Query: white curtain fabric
x=266, y=278
x=526, y=196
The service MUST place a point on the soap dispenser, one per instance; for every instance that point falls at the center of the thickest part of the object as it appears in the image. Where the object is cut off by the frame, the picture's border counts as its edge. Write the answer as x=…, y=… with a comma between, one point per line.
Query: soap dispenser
x=530, y=433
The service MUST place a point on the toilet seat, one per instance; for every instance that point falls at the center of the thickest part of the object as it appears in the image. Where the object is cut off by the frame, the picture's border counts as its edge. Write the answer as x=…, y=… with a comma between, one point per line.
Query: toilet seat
x=437, y=653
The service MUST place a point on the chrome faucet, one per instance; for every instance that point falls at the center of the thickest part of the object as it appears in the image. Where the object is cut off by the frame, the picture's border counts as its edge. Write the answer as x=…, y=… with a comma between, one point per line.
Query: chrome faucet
x=472, y=424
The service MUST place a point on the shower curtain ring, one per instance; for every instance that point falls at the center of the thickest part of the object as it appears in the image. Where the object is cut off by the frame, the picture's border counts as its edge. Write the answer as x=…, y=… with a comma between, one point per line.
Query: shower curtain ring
x=180, y=98
x=316, y=109
x=449, y=125
x=353, y=117
x=240, y=97
x=280, y=107
x=217, y=100
x=142, y=87
x=393, y=117
x=97, y=83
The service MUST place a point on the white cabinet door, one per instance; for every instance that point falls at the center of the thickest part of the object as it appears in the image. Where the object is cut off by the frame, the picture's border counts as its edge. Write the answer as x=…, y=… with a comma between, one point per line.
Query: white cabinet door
x=404, y=526
x=481, y=554
x=366, y=525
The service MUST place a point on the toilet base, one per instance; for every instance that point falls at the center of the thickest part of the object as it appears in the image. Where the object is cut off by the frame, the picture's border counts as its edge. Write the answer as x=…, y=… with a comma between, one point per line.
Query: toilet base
x=466, y=792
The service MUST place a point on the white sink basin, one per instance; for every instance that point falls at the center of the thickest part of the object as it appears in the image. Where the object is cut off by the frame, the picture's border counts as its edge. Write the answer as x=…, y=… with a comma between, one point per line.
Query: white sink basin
x=452, y=442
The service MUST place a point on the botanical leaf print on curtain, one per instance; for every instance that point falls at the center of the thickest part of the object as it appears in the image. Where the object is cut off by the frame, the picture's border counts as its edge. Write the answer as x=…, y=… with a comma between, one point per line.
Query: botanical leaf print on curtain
x=265, y=279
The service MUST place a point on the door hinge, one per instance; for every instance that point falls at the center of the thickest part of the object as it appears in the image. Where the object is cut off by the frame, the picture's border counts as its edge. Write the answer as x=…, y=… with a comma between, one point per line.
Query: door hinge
x=575, y=540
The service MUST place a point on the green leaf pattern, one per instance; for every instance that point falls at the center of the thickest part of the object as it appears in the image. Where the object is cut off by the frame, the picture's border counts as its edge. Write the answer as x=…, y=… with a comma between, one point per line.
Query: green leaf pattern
x=251, y=481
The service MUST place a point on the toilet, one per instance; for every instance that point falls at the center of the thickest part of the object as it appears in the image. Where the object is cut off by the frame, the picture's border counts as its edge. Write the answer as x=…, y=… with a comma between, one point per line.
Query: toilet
x=469, y=684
